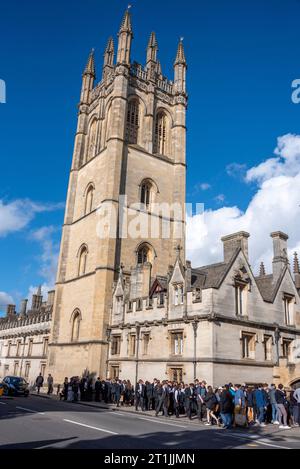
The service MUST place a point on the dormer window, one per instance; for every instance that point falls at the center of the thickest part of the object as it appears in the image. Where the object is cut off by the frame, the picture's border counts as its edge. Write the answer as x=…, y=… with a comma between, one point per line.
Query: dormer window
x=241, y=297
x=178, y=295
x=119, y=304
x=288, y=302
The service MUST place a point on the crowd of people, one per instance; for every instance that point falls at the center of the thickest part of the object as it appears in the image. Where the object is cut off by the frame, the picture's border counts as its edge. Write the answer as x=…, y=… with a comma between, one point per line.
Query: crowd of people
x=227, y=406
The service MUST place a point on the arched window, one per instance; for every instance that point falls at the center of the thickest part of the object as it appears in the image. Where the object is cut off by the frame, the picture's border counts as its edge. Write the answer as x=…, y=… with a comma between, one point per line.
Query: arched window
x=144, y=254
x=160, y=137
x=83, y=253
x=92, y=140
x=132, y=123
x=146, y=193
x=76, y=320
x=89, y=198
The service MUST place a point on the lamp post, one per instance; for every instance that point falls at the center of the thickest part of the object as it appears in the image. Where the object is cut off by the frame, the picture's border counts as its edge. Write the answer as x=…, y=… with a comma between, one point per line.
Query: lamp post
x=195, y=328
x=277, y=339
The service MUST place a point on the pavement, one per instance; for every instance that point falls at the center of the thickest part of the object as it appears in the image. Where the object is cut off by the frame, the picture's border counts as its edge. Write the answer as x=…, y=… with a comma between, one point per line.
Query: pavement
x=40, y=422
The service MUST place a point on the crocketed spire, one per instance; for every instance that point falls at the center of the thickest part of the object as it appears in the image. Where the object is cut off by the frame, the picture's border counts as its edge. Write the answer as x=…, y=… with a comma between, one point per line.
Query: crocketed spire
x=262, y=270
x=180, y=57
x=90, y=66
x=126, y=25
x=296, y=264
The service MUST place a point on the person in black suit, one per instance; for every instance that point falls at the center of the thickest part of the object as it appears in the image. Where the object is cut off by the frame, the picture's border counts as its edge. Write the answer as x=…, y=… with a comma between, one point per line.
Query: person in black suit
x=189, y=400
x=140, y=395
x=149, y=395
x=98, y=389
x=163, y=399
x=155, y=399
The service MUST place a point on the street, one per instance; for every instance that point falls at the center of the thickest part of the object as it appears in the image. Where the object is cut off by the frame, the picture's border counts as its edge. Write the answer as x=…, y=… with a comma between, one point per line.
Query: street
x=40, y=423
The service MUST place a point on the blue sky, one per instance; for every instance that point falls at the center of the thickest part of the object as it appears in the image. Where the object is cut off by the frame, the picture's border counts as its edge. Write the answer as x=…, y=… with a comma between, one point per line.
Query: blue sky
x=242, y=59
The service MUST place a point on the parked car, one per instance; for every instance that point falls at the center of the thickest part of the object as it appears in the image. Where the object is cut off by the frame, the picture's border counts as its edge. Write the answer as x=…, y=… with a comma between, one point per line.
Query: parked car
x=3, y=389
x=16, y=386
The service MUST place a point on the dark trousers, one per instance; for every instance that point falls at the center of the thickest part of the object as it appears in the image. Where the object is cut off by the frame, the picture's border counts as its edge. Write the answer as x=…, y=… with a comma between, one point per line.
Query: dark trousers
x=149, y=402
x=200, y=409
x=161, y=406
x=139, y=401
x=189, y=408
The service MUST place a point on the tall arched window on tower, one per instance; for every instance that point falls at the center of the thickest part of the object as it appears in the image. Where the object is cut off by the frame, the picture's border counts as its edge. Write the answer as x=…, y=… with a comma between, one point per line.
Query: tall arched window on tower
x=144, y=254
x=160, y=137
x=83, y=253
x=92, y=140
x=132, y=122
x=76, y=320
x=89, y=199
x=146, y=193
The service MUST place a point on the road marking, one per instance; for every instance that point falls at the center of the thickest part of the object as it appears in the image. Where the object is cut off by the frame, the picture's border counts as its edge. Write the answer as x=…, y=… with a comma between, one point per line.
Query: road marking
x=3, y=403
x=256, y=440
x=162, y=423
x=29, y=410
x=89, y=426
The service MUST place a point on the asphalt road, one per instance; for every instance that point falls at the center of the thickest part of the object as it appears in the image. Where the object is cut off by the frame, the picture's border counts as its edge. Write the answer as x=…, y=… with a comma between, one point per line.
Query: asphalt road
x=38, y=423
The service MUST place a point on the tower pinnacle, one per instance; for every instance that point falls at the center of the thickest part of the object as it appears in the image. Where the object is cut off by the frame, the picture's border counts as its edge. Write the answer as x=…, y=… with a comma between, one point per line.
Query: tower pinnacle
x=296, y=264
x=90, y=66
x=180, y=56
x=125, y=39
x=262, y=271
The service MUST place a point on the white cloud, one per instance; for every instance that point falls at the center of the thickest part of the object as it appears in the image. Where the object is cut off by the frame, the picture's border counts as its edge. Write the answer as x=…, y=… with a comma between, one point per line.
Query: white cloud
x=220, y=198
x=48, y=258
x=275, y=206
x=5, y=299
x=17, y=215
x=204, y=186
x=236, y=170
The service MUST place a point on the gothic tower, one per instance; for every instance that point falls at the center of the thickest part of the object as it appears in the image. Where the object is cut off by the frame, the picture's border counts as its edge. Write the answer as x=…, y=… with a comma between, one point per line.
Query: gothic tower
x=130, y=141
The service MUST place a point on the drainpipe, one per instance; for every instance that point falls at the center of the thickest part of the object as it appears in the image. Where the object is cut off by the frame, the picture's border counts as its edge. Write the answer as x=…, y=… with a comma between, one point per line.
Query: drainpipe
x=108, y=334
x=195, y=328
x=138, y=330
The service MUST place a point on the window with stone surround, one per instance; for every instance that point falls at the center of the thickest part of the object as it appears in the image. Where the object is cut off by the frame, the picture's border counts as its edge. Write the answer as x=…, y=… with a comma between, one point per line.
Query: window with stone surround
x=161, y=134
x=30, y=347
x=132, y=345
x=45, y=346
x=27, y=369
x=16, y=368
x=9, y=348
x=132, y=121
x=268, y=347
x=89, y=199
x=19, y=345
x=82, y=263
x=241, y=298
x=177, y=343
x=248, y=341
x=178, y=294
x=114, y=371
x=288, y=303
x=286, y=348
x=116, y=345
x=76, y=320
x=146, y=342
x=147, y=194
x=176, y=375
x=92, y=140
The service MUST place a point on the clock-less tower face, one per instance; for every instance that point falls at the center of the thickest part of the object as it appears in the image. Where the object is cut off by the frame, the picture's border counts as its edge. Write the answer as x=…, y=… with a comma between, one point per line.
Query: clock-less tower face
x=126, y=196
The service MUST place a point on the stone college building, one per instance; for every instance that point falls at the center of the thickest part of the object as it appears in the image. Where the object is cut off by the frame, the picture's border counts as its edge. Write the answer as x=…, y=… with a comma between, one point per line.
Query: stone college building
x=127, y=302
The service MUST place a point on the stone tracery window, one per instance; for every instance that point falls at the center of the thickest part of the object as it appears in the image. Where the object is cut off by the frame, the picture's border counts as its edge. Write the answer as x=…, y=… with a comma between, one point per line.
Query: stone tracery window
x=160, y=136
x=132, y=123
x=143, y=254
x=92, y=140
x=89, y=199
x=146, y=193
x=76, y=320
x=83, y=253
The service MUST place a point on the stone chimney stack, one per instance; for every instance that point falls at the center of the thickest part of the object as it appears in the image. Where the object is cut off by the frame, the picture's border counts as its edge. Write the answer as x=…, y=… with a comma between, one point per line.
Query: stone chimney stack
x=37, y=300
x=23, y=308
x=280, y=259
x=50, y=300
x=11, y=311
x=234, y=242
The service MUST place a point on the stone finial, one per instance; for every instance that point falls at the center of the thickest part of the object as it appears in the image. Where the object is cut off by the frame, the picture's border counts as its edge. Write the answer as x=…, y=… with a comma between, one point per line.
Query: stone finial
x=126, y=25
x=296, y=264
x=180, y=57
x=262, y=270
x=90, y=66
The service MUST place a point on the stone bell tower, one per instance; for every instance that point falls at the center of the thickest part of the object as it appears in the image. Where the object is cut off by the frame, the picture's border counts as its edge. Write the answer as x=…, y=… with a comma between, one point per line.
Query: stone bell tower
x=130, y=142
